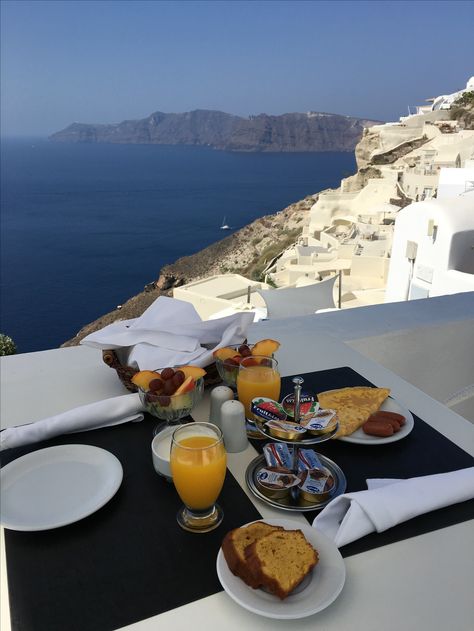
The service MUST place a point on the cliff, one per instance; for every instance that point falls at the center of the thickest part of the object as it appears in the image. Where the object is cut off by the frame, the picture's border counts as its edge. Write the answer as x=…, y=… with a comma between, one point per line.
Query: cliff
x=463, y=111
x=289, y=132
x=246, y=251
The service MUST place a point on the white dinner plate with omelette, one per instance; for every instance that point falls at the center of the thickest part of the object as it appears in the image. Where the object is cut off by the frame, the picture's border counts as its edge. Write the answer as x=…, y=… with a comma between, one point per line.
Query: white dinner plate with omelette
x=359, y=437
x=317, y=591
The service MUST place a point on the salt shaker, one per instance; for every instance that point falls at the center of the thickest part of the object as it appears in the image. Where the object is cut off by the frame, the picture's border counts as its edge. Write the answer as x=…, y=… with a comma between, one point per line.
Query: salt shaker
x=233, y=426
x=219, y=395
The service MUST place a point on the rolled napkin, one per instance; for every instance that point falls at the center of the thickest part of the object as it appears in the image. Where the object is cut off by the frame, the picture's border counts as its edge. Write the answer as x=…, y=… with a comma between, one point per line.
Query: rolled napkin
x=169, y=333
x=105, y=413
x=391, y=502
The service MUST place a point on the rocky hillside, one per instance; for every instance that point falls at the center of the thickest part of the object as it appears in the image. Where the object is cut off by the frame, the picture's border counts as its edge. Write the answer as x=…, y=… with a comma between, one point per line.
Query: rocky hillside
x=289, y=132
x=463, y=110
x=246, y=251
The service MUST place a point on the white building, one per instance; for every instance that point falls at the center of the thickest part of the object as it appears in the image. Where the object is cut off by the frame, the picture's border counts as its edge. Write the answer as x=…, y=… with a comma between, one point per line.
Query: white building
x=433, y=249
x=445, y=101
x=454, y=182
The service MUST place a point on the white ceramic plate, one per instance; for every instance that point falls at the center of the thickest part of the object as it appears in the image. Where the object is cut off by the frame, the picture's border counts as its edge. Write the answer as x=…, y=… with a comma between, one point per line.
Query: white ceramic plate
x=317, y=592
x=56, y=486
x=389, y=405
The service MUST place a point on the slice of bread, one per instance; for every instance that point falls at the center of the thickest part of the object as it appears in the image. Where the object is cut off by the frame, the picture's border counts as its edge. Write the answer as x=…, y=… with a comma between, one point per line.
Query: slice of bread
x=237, y=541
x=280, y=561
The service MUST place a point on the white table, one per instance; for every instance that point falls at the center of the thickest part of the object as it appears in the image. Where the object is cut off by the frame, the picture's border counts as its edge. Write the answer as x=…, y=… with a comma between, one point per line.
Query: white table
x=425, y=582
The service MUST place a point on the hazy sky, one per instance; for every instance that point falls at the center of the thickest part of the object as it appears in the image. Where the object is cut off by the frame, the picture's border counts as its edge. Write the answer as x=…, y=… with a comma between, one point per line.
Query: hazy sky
x=105, y=61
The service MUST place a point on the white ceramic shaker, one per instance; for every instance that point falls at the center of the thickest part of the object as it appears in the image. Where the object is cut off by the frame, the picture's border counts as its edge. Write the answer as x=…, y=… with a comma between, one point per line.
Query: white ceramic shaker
x=219, y=395
x=233, y=426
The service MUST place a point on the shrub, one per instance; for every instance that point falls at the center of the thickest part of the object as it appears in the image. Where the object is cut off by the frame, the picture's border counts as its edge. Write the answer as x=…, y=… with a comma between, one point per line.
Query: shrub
x=466, y=98
x=7, y=345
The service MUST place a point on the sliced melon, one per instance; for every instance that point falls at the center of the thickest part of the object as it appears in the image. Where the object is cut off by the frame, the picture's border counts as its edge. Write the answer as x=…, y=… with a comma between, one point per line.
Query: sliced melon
x=193, y=371
x=187, y=385
x=224, y=353
x=265, y=348
x=143, y=377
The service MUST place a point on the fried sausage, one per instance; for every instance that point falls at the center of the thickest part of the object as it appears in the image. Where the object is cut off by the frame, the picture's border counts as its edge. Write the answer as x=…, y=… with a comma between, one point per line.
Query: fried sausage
x=378, y=428
x=393, y=415
x=380, y=416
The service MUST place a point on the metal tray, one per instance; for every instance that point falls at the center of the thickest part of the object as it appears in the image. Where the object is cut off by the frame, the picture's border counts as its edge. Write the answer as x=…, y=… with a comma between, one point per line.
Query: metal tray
x=304, y=442
x=290, y=504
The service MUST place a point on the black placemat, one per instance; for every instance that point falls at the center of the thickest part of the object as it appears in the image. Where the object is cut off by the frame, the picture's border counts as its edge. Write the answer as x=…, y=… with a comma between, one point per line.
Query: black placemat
x=423, y=452
x=128, y=561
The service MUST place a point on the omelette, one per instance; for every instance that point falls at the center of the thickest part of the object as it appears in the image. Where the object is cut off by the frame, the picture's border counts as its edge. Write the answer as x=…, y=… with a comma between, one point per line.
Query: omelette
x=353, y=405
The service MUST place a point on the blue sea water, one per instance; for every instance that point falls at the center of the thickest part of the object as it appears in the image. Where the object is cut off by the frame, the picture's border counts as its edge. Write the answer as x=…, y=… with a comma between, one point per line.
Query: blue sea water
x=85, y=227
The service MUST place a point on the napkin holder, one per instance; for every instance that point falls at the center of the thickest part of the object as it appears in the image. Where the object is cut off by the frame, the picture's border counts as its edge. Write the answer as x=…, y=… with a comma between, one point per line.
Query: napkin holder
x=125, y=373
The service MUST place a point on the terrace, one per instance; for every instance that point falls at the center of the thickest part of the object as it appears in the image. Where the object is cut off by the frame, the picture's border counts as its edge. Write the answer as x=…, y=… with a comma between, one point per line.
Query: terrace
x=421, y=349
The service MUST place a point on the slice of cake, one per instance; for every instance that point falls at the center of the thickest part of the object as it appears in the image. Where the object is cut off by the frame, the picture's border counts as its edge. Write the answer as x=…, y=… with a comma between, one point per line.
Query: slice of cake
x=235, y=544
x=280, y=561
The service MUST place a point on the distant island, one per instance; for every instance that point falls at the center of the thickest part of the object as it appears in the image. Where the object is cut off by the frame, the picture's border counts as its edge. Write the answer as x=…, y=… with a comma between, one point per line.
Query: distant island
x=313, y=131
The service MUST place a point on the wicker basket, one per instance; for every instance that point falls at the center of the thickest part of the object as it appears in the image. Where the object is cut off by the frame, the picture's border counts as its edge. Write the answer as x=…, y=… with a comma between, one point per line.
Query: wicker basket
x=125, y=373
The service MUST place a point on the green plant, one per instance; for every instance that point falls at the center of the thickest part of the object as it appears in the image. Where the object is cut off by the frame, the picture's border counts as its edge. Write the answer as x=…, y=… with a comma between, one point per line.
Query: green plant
x=462, y=110
x=255, y=269
x=269, y=281
x=466, y=98
x=7, y=345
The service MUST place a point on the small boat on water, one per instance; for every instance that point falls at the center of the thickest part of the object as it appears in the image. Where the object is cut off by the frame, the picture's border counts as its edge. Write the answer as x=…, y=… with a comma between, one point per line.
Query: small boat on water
x=224, y=225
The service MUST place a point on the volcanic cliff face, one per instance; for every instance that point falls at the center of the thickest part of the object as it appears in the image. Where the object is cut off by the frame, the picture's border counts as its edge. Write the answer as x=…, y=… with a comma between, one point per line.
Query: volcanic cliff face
x=289, y=132
x=246, y=251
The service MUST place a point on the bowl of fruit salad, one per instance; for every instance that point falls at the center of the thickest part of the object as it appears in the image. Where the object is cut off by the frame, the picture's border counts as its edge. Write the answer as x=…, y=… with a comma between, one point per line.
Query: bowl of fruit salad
x=228, y=358
x=170, y=393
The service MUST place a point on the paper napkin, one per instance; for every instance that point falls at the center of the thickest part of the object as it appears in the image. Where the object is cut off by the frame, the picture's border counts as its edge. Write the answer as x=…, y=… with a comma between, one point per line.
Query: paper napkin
x=387, y=503
x=170, y=333
x=105, y=413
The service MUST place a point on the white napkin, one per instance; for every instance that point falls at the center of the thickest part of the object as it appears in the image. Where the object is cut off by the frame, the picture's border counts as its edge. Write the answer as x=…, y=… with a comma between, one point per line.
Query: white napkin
x=105, y=413
x=170, y=333
x=391, y=502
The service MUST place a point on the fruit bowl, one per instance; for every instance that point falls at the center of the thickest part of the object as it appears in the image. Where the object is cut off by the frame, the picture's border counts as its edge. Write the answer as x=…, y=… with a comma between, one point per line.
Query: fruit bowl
x=170, y=393
x=228, y=368
x=228, y=358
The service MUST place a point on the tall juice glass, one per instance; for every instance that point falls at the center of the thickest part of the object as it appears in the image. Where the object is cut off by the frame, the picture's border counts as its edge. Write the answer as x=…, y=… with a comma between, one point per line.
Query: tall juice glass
x=258, y=377
x=198, y=466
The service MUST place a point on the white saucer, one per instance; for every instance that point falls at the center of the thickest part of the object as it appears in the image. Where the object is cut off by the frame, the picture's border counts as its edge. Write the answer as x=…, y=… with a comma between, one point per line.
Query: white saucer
x=57, y=486
x=321, y=588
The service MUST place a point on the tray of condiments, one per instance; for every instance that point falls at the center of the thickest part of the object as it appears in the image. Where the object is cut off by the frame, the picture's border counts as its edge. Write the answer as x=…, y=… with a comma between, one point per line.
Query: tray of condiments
x=300, y=480
x=275, y=421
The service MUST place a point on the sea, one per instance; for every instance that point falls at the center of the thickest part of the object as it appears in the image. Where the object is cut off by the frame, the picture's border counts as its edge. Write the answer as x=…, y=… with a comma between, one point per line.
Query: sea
x=86, y=226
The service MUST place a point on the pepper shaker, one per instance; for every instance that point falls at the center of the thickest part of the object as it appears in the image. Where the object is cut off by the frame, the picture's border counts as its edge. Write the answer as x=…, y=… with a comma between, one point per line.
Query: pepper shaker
x=219, y=395
x=233, y=426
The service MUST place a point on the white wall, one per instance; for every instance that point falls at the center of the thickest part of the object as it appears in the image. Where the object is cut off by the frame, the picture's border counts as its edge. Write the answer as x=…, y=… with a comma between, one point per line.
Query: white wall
x=414, y=183
x=370, y=266
x=451, y=282
x=434, y=252
x=453, y=182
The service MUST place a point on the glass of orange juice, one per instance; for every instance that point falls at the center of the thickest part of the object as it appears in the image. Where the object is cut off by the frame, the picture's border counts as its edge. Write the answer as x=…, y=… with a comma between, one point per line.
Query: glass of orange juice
x=198, y=466
x=258, y=377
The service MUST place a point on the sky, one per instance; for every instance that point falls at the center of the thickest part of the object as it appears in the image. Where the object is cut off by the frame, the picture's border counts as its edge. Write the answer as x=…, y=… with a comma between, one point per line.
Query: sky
x=105, y=61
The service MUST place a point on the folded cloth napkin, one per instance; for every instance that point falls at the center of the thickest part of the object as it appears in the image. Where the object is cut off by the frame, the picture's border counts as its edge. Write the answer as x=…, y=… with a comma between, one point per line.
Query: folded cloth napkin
x=391, y=502
x=169, y=333
x=105, y=413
